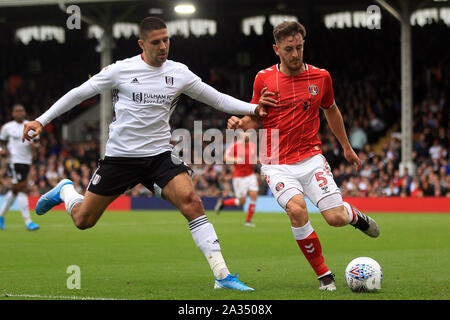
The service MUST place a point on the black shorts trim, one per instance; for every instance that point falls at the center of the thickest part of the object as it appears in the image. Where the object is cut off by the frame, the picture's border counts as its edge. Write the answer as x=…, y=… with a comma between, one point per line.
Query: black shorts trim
x=115, y=175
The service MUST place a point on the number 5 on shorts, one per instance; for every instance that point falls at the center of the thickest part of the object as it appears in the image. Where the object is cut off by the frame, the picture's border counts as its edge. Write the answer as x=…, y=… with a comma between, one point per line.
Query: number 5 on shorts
x=321, y=179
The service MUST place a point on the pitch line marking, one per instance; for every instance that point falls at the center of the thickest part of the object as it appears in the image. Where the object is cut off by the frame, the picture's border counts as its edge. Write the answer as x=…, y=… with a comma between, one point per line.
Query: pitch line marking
x=56, y=297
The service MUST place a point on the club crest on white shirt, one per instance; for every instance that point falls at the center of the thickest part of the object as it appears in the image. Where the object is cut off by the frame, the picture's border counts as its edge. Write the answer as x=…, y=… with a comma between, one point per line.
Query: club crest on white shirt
x=169, y=81
x=137, y=97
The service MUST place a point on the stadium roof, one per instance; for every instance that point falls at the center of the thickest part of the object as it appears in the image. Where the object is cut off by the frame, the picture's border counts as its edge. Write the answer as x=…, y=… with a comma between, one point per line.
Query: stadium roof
x=19, y=13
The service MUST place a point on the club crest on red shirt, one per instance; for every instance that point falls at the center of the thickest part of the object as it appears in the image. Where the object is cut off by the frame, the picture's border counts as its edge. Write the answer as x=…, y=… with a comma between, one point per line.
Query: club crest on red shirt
x=313, y=89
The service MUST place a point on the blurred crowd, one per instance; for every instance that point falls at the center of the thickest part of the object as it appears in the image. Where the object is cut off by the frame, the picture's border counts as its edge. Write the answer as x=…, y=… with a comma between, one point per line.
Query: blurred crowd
x=364, y=65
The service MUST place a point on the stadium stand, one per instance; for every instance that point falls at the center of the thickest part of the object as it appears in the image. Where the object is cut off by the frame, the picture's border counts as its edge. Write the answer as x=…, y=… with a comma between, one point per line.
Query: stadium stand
x=367, y=92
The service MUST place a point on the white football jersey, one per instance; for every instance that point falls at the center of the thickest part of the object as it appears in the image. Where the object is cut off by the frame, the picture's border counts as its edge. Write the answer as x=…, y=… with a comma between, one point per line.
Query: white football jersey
x=144, y=98
x=19, y=152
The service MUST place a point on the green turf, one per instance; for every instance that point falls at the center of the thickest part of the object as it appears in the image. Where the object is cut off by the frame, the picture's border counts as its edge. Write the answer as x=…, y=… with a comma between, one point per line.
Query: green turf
x=151, y=255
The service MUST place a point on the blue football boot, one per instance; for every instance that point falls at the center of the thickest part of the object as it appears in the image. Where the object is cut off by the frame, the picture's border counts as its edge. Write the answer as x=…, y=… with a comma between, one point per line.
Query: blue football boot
x=231, y=282
x=51, y=198
x=32, y=226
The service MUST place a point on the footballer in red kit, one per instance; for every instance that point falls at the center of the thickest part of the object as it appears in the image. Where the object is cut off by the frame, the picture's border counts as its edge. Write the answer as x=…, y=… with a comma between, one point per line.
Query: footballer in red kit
x=295, y=92
x=243, y=154
x=296, y=115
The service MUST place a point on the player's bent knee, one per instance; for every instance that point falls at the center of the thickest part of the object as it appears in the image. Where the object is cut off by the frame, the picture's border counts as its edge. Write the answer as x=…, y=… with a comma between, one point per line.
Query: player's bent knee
x=84, y=220
x=84, y=224
x=81, y=226
x=190, y=199
x=191, y=202
x=297, y=211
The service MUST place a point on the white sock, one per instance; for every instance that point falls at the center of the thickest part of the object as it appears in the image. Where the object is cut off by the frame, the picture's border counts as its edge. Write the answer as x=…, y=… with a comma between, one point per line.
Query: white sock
x=351, y=215
x=9, y=200
x=70, y=197
x=205, y=238
x=303, y=232
x=22, y=200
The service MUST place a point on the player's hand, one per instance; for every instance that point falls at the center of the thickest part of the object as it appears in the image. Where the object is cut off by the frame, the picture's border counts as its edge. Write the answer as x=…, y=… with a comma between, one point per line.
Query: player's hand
x=351, y=157
x=34, y=128
x=267, y=99
x=234, y=123
x=3, y=152
x=260, y=111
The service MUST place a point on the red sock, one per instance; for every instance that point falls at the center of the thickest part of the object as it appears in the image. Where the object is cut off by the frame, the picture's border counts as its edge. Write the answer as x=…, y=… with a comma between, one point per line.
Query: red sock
x=250, y=212
x=312, y=250
x=230, y=202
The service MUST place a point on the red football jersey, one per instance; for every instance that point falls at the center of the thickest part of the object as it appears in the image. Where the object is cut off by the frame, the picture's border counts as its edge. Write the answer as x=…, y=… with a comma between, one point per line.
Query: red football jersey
x=296, y=115
x=244, y=166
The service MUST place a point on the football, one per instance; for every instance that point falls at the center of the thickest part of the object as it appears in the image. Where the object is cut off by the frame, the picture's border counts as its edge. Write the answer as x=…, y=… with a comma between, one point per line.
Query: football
x=363, y=274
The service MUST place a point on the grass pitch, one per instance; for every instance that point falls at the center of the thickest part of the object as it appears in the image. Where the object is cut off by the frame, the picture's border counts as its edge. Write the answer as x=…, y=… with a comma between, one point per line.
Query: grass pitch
x=151, y=255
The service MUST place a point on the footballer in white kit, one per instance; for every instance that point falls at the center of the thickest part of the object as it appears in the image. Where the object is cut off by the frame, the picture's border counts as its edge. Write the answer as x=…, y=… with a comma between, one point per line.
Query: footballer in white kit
x=144, y=97
x=145, y=89
x=20, y=158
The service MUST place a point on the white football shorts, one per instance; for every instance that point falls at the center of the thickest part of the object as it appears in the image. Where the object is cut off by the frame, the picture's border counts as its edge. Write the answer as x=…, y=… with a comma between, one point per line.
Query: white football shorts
x=310, y=177
x=242, y=185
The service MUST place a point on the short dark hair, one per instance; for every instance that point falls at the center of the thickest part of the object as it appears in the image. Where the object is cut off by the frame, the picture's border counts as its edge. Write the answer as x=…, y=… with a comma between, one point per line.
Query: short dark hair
x=288, y=28
x=149, y=24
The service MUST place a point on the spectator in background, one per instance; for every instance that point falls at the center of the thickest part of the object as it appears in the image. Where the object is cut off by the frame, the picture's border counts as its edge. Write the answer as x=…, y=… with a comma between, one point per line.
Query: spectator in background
x=435, y=150
x=357, y=137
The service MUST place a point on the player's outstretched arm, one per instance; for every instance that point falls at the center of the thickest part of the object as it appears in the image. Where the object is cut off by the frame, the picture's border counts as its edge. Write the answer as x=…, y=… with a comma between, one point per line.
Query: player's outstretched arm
x=64, y=104
x=105, y=80
x=208, y=95
x=336, y=123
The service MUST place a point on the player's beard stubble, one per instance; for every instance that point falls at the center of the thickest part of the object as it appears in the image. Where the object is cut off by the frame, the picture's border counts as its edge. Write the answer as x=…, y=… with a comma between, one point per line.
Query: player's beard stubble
x=295, y=65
